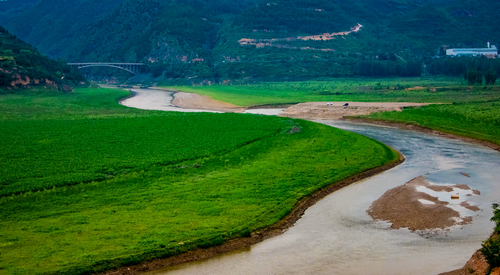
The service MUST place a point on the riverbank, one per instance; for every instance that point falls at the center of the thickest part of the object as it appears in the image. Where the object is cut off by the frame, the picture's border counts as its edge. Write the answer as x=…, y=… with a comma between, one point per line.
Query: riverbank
x=258, y=236
x=196, y=101
x=156, y=184
x=413, y=127
x=339, y=110
x=321, y=110
x=477, y=263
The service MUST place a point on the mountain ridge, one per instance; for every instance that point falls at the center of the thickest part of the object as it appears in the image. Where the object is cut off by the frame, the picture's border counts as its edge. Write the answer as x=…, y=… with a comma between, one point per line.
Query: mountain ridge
x=238, y=39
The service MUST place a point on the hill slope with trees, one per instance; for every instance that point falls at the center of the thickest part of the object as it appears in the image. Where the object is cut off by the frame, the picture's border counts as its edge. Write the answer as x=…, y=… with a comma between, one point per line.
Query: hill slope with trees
x=22, y=66
x=227, y=39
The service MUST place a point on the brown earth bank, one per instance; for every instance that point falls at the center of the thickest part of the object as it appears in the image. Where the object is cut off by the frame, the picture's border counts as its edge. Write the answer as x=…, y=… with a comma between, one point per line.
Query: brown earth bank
x=407, y=207
x=196, y=101
x=258, y=236
x=426, y=130
x=336, y=110
x=272, y=106
x=477, y=265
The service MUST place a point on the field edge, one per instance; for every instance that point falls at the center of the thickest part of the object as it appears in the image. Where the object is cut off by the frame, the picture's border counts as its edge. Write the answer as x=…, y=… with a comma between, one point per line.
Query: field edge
x=257, y=236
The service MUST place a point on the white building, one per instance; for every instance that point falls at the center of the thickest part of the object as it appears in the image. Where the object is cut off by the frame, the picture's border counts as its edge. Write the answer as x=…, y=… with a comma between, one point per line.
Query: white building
x=490, y=51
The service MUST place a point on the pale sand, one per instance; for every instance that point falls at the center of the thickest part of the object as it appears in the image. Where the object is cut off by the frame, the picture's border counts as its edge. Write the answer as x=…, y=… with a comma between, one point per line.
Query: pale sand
x=320, y=110
x=310, y=110
x=196, y=101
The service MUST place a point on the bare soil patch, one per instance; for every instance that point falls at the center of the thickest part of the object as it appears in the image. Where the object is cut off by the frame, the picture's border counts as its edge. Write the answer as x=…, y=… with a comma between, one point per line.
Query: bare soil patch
x=407, y=207
x=476, y=265
x=196, y=101
x=336, y=110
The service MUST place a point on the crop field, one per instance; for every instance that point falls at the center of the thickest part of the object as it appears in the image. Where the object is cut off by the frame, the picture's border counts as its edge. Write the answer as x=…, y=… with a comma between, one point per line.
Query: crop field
x=43, y=154
x=438, y=90
x=479, y=120
x=88, y=185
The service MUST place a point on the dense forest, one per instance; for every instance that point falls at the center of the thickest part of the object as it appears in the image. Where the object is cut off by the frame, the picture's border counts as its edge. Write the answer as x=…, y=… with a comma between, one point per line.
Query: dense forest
x=225, y=39
x=22, y=66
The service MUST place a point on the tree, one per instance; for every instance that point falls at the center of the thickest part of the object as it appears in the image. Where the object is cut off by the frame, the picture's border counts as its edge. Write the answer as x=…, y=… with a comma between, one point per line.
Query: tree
x=490, y=77
x=5, y=79
x=473, y=76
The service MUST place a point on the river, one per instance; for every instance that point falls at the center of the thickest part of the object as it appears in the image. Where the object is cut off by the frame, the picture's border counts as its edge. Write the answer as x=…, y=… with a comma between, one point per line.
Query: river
x=336, y=235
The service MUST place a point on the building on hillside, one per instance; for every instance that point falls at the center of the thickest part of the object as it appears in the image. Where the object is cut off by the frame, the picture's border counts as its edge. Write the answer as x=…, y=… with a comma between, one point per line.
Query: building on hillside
x=491, y=51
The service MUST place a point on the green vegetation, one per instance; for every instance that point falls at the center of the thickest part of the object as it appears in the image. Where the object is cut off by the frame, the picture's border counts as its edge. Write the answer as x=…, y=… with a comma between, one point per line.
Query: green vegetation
x=476, y=120
x=21, y=65
x=121, y=185
x=439, y=90
x=198, y=41
x=491, y=247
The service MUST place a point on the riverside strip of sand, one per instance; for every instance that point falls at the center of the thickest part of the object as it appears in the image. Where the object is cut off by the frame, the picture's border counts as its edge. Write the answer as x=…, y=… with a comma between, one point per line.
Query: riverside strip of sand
x=196, y=101
x=309, y=110
x=336, y=110
x=420, y=205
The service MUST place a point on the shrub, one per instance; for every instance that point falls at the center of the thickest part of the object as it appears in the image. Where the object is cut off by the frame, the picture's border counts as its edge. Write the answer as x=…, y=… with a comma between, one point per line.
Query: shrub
x=491, y=247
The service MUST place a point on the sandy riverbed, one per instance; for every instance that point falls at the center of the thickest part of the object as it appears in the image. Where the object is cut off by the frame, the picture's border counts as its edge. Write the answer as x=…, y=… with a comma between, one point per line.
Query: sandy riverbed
x=196, y=101
x=420, y=205
x=336, y=110
x=309, y=110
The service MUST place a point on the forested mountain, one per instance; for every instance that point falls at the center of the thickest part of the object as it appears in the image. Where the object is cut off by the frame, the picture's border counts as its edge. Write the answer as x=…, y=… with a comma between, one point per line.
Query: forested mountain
x=52, y=25
x=257, y=38
x=21, y=66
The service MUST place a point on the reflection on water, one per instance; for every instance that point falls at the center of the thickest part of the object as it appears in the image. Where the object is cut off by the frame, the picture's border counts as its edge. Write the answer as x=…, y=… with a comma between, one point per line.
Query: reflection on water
x=336, y=236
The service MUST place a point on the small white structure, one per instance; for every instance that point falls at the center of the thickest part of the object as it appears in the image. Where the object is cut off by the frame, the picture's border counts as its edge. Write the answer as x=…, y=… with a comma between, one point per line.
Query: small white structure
x=491, y=51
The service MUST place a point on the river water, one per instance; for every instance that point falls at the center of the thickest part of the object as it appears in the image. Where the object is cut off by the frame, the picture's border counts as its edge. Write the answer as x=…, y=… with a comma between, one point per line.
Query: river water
x=336, y=235
x=161, y=100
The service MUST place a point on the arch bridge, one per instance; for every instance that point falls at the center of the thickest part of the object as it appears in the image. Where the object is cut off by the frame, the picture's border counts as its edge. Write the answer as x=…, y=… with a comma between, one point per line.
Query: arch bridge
x=132, y=68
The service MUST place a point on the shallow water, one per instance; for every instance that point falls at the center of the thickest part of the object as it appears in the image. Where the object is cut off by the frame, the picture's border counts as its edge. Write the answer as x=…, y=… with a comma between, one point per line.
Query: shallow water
x=151, y=99
x=336, y=235
x=161, y=100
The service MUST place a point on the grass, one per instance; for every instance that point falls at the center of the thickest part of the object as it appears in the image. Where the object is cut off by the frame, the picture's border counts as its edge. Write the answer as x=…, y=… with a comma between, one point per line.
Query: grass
x=42, y=154
x=438, y=90
x=480, y=120
x=160, y=183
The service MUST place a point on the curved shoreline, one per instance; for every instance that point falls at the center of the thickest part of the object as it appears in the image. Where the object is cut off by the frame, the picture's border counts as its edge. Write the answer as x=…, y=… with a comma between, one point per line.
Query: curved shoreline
x=258, y=236
x=298, y=210
x=426, y=130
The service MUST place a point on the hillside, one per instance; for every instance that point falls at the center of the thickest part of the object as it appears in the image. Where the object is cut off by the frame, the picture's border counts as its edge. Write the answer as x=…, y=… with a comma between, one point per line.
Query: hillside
x=22, y=66
x=240, y=39
x=52, y=25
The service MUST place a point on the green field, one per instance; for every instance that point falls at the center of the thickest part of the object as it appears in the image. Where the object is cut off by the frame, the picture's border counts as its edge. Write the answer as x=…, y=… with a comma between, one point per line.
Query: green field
x=117, y=186
x=439, y=90
x=479, y=120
